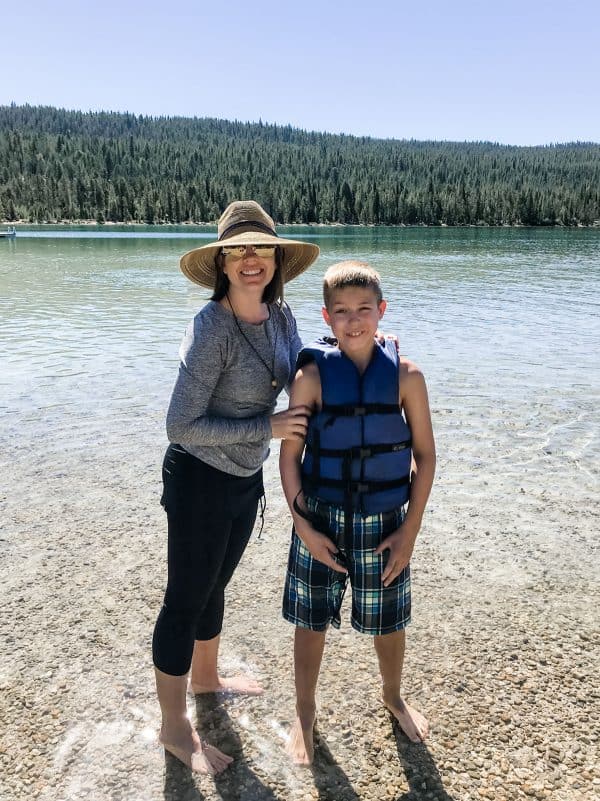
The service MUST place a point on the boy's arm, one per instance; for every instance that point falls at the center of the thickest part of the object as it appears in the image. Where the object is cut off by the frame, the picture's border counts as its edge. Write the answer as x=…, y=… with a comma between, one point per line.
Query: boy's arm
x=413, y=396
x=305, y=391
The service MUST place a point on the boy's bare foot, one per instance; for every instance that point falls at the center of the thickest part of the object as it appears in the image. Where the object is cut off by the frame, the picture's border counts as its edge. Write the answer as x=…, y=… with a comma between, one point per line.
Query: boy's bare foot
x=300, y=745
x=412, y=723
x=235, y=685
x=183, y=742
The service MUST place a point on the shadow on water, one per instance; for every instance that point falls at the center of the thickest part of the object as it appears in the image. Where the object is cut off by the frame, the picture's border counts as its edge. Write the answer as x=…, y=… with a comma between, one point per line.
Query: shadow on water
x=330, y=780
x=180, y=784
x=422, y=775
x=237, y=782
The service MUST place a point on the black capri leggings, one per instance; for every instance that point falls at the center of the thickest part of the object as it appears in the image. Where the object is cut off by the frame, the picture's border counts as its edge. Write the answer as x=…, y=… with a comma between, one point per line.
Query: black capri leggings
x=211, y=515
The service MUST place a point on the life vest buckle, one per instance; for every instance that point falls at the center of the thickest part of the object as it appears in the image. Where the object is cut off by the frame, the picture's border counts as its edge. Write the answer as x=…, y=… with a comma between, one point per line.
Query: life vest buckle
x=360, y=411
x=364, y=453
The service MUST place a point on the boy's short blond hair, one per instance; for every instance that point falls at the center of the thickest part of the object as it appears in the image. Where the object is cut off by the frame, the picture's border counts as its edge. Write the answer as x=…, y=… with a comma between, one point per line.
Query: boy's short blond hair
x=351, y=273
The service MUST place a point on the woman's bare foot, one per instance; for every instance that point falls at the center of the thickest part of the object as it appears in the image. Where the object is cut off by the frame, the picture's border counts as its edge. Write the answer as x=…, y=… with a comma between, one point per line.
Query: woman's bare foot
x=183, y=742
x=235, y=685
x=300, y=745
x=412, y=723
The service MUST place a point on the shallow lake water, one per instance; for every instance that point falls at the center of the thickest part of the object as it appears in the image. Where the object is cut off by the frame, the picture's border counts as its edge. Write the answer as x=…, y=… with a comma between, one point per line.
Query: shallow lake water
x=504, y=323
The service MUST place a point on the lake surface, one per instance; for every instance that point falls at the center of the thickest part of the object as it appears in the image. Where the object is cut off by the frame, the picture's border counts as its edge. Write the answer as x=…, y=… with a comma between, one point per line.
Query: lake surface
x=505, y=324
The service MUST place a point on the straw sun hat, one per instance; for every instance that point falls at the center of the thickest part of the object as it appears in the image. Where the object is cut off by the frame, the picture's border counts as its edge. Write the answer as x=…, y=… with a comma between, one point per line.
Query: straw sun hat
x=244, y=222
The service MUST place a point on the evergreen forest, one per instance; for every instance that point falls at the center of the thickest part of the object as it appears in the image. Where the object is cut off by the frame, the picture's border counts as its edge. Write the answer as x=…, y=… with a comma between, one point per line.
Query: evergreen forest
x=106, y=166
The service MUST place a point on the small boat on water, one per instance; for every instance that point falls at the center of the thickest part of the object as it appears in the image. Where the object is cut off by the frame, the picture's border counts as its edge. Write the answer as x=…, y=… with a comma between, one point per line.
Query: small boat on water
x=8, y=234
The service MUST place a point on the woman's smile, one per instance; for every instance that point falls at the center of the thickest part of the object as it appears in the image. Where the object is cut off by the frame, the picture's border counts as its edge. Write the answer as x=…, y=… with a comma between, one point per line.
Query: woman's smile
x=251, y=271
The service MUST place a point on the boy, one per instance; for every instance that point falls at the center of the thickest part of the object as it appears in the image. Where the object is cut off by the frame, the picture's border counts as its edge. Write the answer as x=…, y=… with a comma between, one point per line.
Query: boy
x=369, y=450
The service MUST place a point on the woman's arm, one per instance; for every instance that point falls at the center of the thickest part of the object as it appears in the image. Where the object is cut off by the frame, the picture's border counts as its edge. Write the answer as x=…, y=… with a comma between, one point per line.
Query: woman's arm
x=202, y=359
x=187, y=421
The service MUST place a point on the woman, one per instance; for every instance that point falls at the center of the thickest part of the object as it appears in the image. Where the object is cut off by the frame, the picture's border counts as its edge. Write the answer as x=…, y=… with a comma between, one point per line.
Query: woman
x=236, y=357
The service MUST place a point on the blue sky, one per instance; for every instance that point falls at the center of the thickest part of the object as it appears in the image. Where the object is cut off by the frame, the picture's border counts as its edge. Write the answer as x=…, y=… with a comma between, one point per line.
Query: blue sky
x=512, y=72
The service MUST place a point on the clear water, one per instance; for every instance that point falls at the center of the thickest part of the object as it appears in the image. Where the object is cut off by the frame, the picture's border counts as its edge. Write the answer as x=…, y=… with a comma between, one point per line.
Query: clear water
x=505, y=325
x=503, y=322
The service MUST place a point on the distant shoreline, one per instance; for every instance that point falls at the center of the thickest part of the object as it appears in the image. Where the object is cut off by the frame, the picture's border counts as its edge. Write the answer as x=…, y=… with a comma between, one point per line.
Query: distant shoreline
x=111, y=224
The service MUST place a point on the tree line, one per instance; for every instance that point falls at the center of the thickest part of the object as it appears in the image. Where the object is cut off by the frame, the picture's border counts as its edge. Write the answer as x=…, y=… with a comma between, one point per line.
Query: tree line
x=119, y=167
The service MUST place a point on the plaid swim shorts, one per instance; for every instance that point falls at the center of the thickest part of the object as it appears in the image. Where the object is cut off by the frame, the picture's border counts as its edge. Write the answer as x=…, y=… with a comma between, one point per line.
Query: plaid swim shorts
x=313, y=592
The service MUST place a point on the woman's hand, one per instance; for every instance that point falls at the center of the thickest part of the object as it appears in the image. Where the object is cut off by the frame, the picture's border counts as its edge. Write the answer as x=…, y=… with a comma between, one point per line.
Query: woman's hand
x=381, y=337
x=291, y=424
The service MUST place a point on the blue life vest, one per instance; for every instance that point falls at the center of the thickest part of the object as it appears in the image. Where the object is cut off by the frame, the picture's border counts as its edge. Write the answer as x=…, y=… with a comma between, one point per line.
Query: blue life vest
x=358, y=446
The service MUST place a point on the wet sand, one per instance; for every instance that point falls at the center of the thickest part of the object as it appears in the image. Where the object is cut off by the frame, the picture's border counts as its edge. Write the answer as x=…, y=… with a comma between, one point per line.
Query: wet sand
x=502, y=652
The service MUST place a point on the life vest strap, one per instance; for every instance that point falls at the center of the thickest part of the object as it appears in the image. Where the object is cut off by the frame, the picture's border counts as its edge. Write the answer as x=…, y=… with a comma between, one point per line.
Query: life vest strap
x=358, y=451
x=360, y=409
x=316, y=465
x=359, y=487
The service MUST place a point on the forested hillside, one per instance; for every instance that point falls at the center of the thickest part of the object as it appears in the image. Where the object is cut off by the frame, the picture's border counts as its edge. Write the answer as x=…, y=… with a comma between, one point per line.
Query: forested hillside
x=70, y=165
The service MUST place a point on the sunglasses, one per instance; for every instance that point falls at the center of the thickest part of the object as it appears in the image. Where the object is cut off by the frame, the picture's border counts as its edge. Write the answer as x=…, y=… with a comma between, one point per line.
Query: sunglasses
x=239, y=251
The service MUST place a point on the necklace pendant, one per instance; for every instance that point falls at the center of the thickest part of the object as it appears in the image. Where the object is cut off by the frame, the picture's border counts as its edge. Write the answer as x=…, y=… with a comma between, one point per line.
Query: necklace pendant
x=274, y=384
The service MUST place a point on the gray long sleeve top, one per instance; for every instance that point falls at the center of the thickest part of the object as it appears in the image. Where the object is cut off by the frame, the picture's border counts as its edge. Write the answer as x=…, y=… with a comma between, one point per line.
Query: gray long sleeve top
x=222, y=398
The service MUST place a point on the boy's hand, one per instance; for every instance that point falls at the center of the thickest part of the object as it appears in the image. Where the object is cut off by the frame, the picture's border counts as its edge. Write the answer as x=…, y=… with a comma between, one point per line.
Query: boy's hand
x=400, y=545
x=321, y=548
